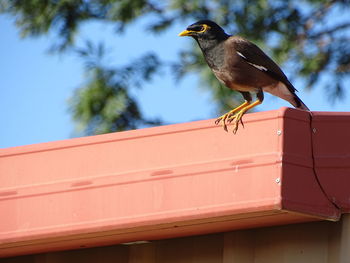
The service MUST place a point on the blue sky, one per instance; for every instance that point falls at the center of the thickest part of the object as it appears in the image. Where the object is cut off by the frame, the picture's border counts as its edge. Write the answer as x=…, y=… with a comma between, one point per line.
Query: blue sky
x=35, y=85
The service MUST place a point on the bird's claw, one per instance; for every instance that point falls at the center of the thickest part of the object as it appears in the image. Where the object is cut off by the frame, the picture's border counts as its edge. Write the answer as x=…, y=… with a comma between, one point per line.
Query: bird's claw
x=217, y=121
x=223, y=120
x=237, y=118
x=234, y=117
x=230, y=117
x=236, y=125
x=235, y=128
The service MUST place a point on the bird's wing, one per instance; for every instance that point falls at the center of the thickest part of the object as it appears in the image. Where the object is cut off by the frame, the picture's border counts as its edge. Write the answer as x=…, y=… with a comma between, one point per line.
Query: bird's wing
x=254, y=56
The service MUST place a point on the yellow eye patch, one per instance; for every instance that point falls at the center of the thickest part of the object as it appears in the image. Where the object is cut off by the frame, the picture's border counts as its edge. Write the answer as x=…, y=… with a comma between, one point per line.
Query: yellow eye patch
x=205, y=28
x=189, y=31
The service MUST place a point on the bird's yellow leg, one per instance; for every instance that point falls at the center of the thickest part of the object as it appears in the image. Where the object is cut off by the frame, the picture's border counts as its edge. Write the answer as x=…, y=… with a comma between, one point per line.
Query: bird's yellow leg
x=238, y=116
x=224, y=117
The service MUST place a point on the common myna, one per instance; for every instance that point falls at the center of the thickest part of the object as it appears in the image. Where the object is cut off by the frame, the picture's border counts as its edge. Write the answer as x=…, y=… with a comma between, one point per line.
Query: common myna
x=241, y=66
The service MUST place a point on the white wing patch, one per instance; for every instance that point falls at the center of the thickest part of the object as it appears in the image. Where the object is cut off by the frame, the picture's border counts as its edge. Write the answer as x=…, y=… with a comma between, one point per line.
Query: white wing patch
x=259, y=67
x=240, y=54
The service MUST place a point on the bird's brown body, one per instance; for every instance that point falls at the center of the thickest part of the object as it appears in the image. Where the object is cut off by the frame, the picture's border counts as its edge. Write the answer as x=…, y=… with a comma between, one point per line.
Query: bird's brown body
x=233, y=72
x=242, y=66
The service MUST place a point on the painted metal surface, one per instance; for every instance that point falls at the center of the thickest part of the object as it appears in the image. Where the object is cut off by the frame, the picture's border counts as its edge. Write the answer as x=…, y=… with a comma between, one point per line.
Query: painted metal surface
x=161, y=182
x=331, y=140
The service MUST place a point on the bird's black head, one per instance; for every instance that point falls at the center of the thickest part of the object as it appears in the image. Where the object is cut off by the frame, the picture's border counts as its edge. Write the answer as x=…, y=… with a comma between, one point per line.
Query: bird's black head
x=205, y=29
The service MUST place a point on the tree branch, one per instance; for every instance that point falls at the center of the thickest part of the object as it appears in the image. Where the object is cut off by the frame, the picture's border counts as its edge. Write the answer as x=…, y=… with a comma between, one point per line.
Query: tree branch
x=329, y=31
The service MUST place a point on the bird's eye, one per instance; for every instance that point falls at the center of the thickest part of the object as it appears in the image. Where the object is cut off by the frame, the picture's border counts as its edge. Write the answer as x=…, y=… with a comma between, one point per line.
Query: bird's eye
x=196, y=28
x=203, y=28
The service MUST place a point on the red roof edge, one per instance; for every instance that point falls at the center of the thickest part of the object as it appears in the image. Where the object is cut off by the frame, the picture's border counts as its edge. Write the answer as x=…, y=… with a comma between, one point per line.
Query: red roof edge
x=285, y=166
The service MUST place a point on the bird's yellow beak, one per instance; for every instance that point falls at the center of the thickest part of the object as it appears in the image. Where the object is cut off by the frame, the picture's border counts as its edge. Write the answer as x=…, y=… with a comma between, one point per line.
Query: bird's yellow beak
x=185, y=33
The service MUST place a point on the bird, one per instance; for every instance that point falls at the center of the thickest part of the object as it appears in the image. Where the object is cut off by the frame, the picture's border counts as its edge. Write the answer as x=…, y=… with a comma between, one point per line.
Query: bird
x=241, y=66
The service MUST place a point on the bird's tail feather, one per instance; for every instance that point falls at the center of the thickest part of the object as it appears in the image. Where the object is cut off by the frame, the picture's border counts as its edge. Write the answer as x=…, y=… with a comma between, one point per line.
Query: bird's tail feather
x=299, y=103
x=288, y=94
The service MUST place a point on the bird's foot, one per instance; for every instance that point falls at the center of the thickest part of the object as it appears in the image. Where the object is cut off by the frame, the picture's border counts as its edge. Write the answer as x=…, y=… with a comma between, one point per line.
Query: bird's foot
x=223, y=120
x=237, y=118
x=230, y=117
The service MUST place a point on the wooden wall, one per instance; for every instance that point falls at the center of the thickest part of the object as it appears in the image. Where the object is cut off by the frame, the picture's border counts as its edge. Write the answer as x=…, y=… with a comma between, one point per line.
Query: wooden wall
x=319, y=242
